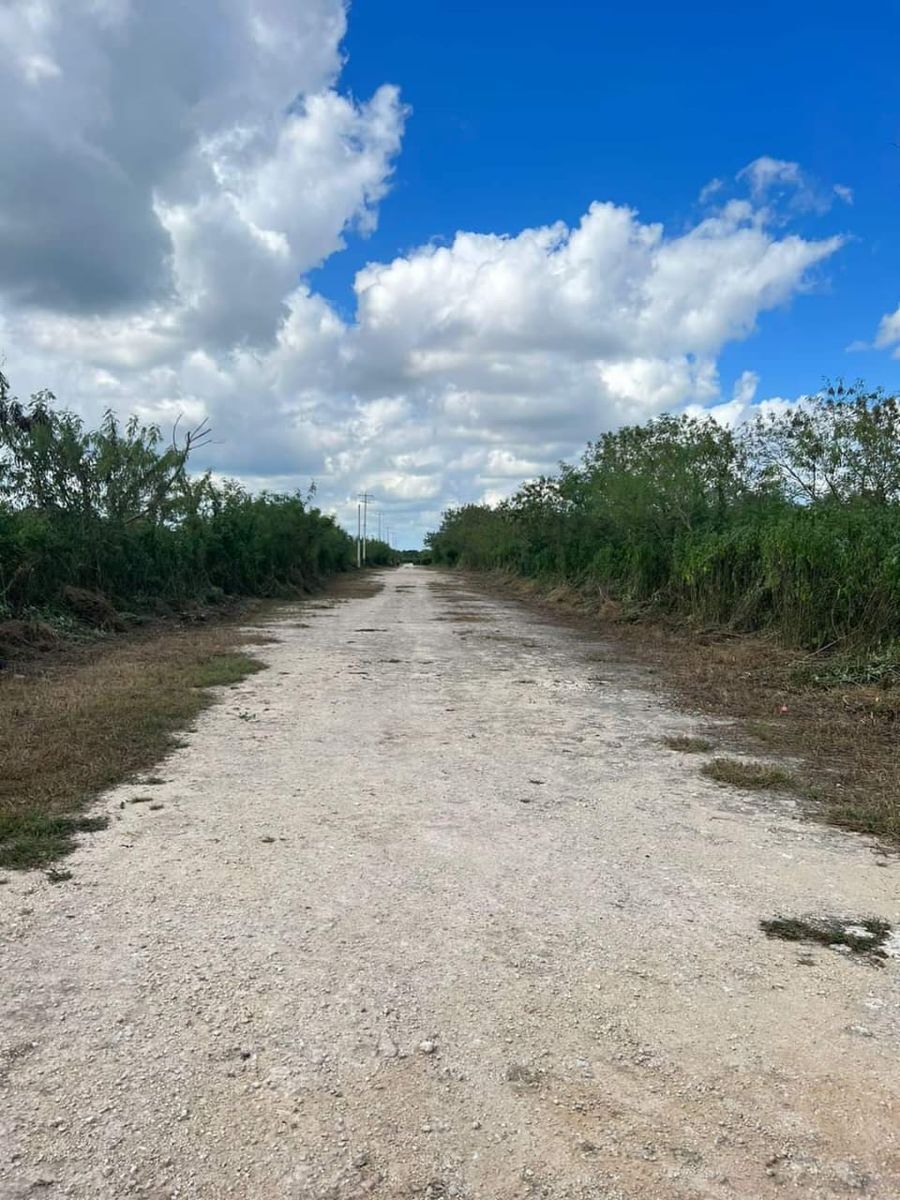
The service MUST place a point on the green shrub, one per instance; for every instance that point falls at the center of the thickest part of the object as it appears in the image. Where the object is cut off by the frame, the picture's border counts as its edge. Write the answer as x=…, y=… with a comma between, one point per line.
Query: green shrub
x=791, y=523
x=115, y=510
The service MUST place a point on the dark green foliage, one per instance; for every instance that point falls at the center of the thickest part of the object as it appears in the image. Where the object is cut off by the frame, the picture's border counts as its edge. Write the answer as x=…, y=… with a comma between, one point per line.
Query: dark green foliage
x=790, y=524
x=114, y=510
x=380, y=554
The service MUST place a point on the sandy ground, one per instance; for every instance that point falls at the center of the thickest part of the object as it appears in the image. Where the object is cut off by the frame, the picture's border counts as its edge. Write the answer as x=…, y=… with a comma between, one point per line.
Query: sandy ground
x=429, y=911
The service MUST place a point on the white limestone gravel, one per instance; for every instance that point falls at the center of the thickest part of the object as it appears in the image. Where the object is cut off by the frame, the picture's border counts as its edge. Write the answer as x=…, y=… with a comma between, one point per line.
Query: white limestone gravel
x=429, y=911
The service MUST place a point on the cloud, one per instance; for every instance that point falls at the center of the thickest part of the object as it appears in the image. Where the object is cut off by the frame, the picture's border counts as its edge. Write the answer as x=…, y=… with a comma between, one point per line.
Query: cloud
x=173, y=173
x=153, y=153
x=765, y=173
x=888, y=335
x=710, y=189
x=775, y=181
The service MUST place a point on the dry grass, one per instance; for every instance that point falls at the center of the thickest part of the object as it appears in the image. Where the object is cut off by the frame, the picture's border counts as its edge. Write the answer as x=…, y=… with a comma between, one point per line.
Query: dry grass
x=741, y=774
x=687, y=745
x=845, y=736
x=77, y=723
x=80, y=719
x=782, y=700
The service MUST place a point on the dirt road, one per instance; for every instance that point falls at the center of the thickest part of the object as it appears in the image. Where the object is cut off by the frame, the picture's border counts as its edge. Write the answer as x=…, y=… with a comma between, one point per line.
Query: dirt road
x=429, y=911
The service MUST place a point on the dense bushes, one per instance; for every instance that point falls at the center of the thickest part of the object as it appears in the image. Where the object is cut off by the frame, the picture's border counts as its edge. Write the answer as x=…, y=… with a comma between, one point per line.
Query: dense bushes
x=380, y=554
x=790, y=523
x=114, y=509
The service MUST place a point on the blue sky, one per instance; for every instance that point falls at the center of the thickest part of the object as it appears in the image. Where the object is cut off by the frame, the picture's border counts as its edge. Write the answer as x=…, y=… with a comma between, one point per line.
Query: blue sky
x=427, y=250
x=523, y=114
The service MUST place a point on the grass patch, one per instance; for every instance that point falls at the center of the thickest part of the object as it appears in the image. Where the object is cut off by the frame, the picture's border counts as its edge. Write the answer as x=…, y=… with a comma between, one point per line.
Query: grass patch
x=757, y=776
x=866, y=935
x=224, y=669
x=79, y=723
x=30, y=838
x=686, y=744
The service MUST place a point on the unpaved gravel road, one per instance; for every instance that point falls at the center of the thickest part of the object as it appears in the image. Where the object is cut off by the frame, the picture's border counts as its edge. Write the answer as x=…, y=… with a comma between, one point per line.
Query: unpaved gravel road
x=429, y=911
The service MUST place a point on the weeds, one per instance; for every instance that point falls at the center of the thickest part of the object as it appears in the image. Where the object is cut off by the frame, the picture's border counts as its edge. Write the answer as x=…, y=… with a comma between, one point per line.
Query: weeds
x=879, y=668
x=738, y=773
x=687, y=745
x=866, y=935
x=55, y=875
x=225, y=669
x=30, y=838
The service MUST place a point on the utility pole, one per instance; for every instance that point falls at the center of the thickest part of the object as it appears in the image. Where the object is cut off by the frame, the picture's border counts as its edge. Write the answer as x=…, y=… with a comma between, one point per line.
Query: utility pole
x=358, y=536
x=365, y=498
x=379, y=524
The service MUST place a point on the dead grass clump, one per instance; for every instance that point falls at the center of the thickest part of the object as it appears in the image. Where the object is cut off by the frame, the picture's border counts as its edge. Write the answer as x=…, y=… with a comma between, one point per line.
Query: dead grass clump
x=686, y=744
x=738, y=773
x=16, y=636
x=85, y=722
x=564, y=594
x=93, y=608
x=865, y=935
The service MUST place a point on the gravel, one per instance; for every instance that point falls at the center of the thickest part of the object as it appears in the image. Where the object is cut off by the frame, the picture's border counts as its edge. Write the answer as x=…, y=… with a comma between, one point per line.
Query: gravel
x=344, y=929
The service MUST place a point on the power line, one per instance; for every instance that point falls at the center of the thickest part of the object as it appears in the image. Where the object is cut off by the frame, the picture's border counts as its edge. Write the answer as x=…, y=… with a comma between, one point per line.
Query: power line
x=365, y=498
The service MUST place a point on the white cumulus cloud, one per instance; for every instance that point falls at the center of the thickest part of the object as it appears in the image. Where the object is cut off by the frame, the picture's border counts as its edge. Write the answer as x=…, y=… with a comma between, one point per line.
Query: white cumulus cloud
x=888, y=335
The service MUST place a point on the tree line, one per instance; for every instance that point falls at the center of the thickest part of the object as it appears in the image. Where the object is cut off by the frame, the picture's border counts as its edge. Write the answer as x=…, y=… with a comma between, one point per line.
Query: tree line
x=115, y=509
x=789, y=523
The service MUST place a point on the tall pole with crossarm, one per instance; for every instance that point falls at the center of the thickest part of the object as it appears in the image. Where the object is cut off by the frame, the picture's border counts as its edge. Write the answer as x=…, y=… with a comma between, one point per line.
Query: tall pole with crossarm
x=365, y=498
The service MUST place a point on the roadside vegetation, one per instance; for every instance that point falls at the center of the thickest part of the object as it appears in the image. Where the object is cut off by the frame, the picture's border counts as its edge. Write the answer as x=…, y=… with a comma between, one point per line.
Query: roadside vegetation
x=775, y=546
x=94, y=715
x=114, y=511
x=121, y=577
x=381, y=554
x=790, y=524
